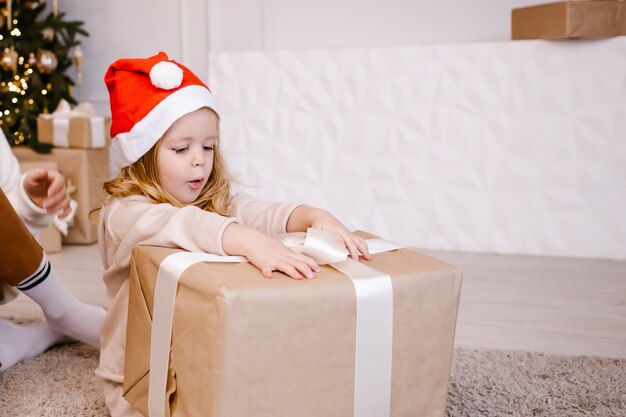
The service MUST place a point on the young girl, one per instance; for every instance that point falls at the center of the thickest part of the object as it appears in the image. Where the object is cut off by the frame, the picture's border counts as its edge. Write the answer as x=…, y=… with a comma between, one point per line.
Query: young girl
x=173, y=190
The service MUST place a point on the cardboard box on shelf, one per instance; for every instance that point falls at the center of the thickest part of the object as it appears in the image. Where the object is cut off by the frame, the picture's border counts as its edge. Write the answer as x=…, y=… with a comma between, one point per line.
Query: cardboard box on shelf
x=582, y=19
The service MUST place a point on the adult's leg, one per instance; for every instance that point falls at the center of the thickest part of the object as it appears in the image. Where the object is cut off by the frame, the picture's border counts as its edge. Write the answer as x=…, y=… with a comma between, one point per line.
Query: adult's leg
x=24, y=342
x=24, y=265
x=21, y=255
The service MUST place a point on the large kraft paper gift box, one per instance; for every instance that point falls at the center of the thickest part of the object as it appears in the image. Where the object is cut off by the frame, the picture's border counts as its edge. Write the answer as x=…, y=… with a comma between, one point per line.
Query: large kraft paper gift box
x=87, y=170
x=243, y=345
x=579, y=19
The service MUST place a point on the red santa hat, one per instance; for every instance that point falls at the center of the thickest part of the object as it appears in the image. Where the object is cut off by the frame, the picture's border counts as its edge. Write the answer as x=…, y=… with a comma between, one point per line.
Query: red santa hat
x=147, y=95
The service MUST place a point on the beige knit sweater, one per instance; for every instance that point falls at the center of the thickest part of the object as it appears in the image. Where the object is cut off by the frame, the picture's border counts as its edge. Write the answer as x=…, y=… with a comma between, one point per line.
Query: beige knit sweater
x=127, y=222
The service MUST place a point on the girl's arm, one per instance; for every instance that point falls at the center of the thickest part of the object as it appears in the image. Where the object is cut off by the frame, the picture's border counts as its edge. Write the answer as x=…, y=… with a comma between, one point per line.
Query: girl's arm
x=303, y=217
x=266, y=253
x=133, y=221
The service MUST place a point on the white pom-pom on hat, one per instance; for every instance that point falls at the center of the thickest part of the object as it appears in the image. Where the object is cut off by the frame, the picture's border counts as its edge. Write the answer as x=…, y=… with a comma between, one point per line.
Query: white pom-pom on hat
x=166, y=75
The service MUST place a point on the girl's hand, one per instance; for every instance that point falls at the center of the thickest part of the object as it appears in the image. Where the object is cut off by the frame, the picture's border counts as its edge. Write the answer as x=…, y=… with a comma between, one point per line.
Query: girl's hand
x=325, y=221
x=47, y=190
x=267, y=253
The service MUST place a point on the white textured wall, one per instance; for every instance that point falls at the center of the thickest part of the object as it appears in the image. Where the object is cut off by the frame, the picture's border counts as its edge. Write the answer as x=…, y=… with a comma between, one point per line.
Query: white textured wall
x=500, y=147
x=189, y=29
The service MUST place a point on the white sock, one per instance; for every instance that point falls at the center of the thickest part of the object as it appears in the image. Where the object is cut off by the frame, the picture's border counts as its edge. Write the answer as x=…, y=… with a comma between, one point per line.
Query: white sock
x=24, y=342
x=64, y=312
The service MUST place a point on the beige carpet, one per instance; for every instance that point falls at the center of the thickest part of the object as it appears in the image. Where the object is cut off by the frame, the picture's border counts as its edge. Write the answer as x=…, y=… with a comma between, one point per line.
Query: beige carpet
x=484, y=383
x=498, y=383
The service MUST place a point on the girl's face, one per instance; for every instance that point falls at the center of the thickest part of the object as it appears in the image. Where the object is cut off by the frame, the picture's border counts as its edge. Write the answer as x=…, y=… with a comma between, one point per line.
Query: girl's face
x=185, y=157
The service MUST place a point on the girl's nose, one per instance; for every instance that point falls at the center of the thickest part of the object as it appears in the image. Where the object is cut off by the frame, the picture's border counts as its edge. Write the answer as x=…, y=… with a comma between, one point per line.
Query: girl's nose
x=198, y=159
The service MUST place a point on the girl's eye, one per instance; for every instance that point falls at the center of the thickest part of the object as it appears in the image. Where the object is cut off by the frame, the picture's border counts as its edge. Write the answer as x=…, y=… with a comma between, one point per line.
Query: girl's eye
x=181, y=150
x=208, y=147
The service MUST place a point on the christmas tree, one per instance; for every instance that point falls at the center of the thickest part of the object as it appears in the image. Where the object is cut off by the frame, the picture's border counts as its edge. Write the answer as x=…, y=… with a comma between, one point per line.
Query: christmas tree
x=35, y=55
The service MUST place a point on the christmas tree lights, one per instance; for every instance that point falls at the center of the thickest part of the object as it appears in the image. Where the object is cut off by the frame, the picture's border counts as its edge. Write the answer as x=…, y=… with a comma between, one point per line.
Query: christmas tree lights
x=35, y=55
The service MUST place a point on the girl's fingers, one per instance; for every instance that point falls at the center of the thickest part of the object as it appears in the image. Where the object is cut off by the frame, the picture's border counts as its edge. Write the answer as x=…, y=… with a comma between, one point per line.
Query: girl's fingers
x=362, y=245
x=267, y=271
x=285, y=267
x=304, y=269
x=348, y=241
x=307, y=267
x=298, y=266
x=355, y=245
x=310, y=262
x=290, y=270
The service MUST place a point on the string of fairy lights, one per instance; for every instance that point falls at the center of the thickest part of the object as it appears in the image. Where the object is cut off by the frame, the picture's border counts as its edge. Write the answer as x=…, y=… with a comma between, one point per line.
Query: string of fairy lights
x=28, y=77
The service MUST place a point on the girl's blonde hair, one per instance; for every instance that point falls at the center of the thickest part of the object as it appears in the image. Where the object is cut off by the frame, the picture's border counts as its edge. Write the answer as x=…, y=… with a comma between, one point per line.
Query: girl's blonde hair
x=142, y=178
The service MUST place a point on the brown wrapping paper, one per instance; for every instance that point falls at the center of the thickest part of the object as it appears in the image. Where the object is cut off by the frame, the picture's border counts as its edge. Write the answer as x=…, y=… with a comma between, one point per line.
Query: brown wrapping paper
x=87, y=169
x=50, y=237
x=79, y=133
x=244, y=345
x=570, y=20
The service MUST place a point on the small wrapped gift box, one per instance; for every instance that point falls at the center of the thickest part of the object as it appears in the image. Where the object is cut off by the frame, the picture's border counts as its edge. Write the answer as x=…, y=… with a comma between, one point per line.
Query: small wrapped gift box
x=77, y=128
x=243, y=345
x=85, y=170
x=579, y=19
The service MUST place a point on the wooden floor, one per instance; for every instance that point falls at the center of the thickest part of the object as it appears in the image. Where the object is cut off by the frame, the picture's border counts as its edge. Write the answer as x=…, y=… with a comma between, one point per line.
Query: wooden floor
x=555, y=305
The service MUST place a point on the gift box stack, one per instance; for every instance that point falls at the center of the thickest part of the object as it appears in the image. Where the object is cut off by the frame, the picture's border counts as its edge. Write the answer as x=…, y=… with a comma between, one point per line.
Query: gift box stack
x=80, y=149
x=370, y=338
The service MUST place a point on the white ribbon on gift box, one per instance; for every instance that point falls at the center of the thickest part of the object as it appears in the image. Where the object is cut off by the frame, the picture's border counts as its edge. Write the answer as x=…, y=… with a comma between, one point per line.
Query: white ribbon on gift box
x=61, y=123
x=374, y=320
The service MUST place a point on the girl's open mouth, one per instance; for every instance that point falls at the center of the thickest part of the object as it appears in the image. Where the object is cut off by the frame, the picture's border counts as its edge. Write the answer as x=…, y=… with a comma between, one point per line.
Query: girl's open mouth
x=197, y=183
